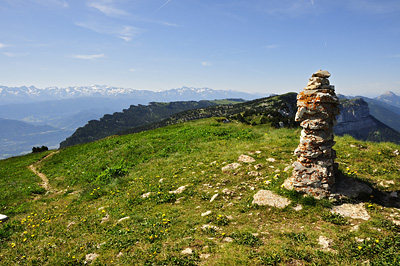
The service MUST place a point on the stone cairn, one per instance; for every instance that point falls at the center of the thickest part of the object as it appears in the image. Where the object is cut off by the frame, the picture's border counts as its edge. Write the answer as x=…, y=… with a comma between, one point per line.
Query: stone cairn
x=315, y=169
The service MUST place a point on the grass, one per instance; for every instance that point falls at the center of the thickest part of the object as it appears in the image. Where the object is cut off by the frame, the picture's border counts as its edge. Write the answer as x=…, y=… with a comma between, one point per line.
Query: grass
x=100, y=208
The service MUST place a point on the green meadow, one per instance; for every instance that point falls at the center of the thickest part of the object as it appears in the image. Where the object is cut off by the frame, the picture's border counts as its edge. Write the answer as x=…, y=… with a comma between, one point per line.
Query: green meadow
x=112, y=203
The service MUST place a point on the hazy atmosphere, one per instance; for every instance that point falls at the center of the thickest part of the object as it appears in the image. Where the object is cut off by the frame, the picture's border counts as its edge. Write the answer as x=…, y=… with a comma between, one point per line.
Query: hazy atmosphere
x=252, y=46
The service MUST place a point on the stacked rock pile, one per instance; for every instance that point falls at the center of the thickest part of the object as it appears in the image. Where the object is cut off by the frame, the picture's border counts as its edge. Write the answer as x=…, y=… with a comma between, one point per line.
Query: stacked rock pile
x=314, y=171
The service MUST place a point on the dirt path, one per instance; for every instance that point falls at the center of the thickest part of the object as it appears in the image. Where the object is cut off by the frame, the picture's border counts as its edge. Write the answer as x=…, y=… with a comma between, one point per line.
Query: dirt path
x=45, y=181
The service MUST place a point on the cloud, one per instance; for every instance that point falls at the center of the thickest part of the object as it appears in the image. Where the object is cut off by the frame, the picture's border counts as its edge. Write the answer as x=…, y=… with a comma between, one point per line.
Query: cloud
x=133, y=70
x=58, y=3
x=206, y=64
x=169, y=24
x=2, y=45
x=14, y=54
x=126, y=33
x=88, y=56
x=271, y=46
x=107, y=9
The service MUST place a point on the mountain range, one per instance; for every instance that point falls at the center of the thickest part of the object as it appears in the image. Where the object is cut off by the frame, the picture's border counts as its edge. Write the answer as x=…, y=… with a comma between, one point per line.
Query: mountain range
x=12, y=95
x=65, y=110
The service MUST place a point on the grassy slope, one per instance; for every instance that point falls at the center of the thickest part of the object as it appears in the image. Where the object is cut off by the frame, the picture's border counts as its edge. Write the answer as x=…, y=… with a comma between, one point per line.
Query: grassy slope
x=108, y=178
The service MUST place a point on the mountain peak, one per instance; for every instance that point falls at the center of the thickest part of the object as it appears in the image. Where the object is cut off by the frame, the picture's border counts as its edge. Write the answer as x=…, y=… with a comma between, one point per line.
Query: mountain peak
x=389, y=93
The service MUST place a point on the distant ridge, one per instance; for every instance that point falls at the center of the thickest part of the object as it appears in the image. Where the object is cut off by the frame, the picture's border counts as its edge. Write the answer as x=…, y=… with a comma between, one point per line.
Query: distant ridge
x=391, y=98
x=23, y=94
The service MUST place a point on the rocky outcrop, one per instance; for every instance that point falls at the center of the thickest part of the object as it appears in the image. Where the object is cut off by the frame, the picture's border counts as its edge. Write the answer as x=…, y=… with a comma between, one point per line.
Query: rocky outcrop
x=314, y=171
x=355, y=120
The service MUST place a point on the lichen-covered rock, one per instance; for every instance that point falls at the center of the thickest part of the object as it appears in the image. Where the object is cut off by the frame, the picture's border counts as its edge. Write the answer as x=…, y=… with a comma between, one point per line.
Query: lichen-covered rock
x=314, y=171
x=269, y=198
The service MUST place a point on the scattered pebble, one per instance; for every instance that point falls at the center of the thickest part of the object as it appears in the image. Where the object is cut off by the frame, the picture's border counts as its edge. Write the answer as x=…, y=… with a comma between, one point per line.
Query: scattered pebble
x=178, y=190
x=206, y=213
x=187, y=251
x=213, y=197
x=90, y=257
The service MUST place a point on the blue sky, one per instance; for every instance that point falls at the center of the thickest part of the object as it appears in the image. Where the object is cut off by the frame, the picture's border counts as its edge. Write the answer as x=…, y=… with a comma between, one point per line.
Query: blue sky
x=248, y=45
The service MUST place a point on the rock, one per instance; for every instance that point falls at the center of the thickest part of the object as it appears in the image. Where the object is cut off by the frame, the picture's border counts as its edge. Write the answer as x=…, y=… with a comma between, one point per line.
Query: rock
x=227, y=239
x=213, y=197
x=258, y=166
x=396, y=222
x=298, y=208
x=146, y=195
x=396, y=152
x=209, y=226
x=70, y=224
x=187, y=251
x=246, y=159
x=204, y=256
x=355, y=211
x=325, y=243
x=178, y=190
x=271, y=160
x=394, y=194
x=123, y=219
x=4, y=218
x=254, y=173
x=105, y=218
x=178, y=200
x=287, y=168
x=206, y=213
x=267, y=197
x=386, y=183
x=231, y=166
x=315, y=170
x=322, y=74
x=90, y=257
x=228, y=192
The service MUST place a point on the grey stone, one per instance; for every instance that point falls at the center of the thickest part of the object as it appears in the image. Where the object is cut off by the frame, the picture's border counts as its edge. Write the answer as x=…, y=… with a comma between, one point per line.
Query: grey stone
x=355, y=211
x=246, y=159
x=267, y=197
x=187, y=251
x=231, y=166
x=4, y=218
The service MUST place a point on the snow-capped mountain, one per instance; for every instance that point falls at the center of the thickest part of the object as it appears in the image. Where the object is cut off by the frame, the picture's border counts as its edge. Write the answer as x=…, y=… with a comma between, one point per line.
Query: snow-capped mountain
x=25, y=94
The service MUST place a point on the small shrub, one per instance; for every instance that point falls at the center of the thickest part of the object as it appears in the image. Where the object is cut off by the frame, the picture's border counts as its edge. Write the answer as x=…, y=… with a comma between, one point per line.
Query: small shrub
x=108, y=175
x=247, y=239
x=334, y=218
x=270, y=259
x=39, y=149
x=297, y=237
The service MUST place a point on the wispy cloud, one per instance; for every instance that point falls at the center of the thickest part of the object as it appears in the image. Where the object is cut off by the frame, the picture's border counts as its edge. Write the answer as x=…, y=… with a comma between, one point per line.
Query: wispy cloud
x=133, y=70
x=271, y=46
x=2, y=45
x=8, y=54
x=106, y=7
x=169, y=24
x=206, y=64
x=88, y=56
x=57, y=3
x=126, y=33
